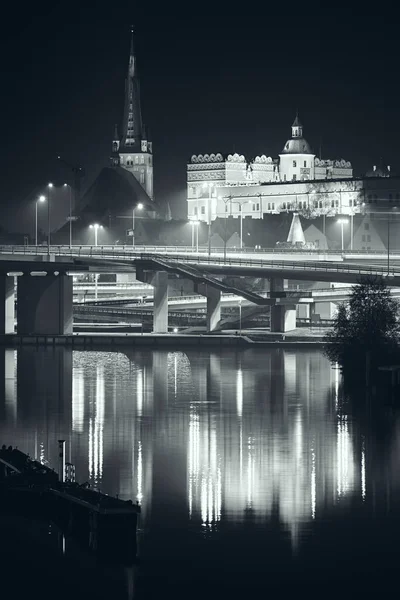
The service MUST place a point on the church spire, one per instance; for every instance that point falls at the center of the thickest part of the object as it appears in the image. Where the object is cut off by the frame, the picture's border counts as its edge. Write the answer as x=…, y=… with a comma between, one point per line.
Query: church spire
x=132, y=124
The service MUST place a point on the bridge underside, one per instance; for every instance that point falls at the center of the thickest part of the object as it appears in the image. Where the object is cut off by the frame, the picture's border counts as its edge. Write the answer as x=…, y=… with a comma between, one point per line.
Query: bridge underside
x=44, y=303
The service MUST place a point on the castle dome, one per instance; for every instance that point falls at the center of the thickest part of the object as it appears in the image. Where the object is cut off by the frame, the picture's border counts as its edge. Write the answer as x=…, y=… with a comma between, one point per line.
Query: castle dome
x=297, y=146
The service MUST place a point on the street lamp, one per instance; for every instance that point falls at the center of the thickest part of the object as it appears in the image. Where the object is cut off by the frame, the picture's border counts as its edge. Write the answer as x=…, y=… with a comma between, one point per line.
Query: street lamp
x=70, y=213
x=343, y=222
x=195, y=224
x=96, y=227
x=40, y=199
x=50, y=186
x=210, y=185
x=240, y=204
x=139, y=207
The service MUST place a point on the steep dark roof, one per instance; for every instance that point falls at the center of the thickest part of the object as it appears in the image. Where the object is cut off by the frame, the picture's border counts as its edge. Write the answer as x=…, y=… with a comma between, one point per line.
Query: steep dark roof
x=114, y=191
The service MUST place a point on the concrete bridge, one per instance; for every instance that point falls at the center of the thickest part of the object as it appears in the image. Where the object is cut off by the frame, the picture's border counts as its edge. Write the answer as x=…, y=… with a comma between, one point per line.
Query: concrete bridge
x=44, y=303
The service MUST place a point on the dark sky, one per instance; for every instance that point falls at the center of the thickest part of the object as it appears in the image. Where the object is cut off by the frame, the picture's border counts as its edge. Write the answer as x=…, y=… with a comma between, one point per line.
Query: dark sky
x=214, y=78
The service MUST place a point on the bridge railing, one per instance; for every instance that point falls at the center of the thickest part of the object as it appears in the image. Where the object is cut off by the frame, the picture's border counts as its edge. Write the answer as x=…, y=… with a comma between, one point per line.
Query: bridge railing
x=205, y=259
x=275, y=265
x=85, y=250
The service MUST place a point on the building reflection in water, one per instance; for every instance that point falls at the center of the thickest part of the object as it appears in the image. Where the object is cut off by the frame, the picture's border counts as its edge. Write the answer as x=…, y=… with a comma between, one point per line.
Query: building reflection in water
x=211, y=437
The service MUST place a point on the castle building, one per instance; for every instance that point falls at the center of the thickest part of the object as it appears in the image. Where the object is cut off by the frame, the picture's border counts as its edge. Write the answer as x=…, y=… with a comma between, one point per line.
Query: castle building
x=297, y=181
x=133, y=151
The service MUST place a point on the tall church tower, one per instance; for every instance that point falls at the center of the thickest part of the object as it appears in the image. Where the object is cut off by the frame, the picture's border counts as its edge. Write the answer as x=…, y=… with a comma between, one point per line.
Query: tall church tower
x=133, y=151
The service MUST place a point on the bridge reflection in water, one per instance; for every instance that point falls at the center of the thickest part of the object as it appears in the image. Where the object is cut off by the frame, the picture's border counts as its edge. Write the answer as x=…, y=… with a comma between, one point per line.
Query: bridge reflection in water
x=201, y=439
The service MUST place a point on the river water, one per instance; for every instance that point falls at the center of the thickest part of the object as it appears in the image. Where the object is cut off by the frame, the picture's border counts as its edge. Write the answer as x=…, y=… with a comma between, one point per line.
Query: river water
x=254, y=474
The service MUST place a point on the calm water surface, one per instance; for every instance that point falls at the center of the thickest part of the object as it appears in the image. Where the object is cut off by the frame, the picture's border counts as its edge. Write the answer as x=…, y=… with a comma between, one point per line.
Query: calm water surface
x=254, y=474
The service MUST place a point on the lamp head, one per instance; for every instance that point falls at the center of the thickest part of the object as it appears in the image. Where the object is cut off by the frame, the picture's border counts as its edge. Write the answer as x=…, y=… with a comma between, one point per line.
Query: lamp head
x=139, y=206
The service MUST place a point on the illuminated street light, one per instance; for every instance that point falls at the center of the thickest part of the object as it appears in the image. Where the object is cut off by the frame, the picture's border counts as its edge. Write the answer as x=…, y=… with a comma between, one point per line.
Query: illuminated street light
x=70, y=213
x=139, y=207
x=96, y=227
x=210, y=185
x=342, y=222
x=195, y=224
x=40, y=199
x=50, y=186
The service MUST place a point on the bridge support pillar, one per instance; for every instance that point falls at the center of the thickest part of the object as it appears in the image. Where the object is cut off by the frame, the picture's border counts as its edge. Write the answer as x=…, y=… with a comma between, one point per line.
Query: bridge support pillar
x=159, y=281
x=44, y=305
x=213, y=305
x=160, y=315
x=283, y=318
x=7, y=304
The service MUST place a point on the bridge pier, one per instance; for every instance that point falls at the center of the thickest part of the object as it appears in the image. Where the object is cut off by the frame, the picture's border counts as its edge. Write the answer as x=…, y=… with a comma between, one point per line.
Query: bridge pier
x=283, y=318
x=44, y=304
x=159, y=281
x=213, y=304
x=7, y=304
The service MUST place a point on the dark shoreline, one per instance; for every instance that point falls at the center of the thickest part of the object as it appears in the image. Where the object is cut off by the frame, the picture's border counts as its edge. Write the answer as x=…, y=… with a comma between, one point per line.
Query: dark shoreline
x=159, y=341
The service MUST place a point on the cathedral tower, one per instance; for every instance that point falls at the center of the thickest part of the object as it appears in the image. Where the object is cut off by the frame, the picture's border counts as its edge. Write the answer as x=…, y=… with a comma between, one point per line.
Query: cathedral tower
x=133, y=151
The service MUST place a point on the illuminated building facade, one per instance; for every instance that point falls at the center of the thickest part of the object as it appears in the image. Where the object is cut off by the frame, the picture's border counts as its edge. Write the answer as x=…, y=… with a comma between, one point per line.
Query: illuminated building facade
x=298, y=181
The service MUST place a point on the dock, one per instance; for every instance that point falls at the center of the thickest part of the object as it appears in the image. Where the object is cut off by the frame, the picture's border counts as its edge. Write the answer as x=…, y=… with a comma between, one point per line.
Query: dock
x=101, y=523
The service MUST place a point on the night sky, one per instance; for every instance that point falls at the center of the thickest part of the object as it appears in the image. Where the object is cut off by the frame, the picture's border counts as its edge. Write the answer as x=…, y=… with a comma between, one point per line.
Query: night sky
x=214, y=78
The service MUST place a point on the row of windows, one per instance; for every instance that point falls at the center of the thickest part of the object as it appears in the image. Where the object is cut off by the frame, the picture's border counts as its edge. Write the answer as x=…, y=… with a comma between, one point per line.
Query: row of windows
x=366, y=238
x=129, y=162
x=295, y=164
x=203, y=210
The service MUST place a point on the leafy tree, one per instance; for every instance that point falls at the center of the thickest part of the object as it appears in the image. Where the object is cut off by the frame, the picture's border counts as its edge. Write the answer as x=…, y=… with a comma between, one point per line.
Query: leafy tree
x=365, y=327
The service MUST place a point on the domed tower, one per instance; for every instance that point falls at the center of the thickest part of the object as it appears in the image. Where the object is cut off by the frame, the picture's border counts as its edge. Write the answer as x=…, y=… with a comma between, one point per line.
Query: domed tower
x=296, y=160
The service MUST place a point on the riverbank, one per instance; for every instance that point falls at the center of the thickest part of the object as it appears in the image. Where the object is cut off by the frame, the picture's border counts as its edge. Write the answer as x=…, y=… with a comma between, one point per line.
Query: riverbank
x=251, y=338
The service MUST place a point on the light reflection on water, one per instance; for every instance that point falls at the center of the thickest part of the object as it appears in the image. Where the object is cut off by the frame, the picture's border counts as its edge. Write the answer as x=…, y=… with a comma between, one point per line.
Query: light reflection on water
x=202, y=440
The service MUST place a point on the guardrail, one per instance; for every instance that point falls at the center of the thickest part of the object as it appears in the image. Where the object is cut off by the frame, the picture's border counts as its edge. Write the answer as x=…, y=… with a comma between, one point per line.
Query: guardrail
x=276, y=265
x=99, y=250
x=205, y=260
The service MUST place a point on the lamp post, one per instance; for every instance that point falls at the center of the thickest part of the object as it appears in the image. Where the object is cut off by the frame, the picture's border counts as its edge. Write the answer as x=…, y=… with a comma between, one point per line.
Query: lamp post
x=210, y=185
x=195, y=224
x=388, y=236
x=225, y=211
x=240, y=315
x=240, y=204
x=40, y=199
x=342, y=223
x=139, y=207
x=95, y=227
x=70, y=214
x=50, y=186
